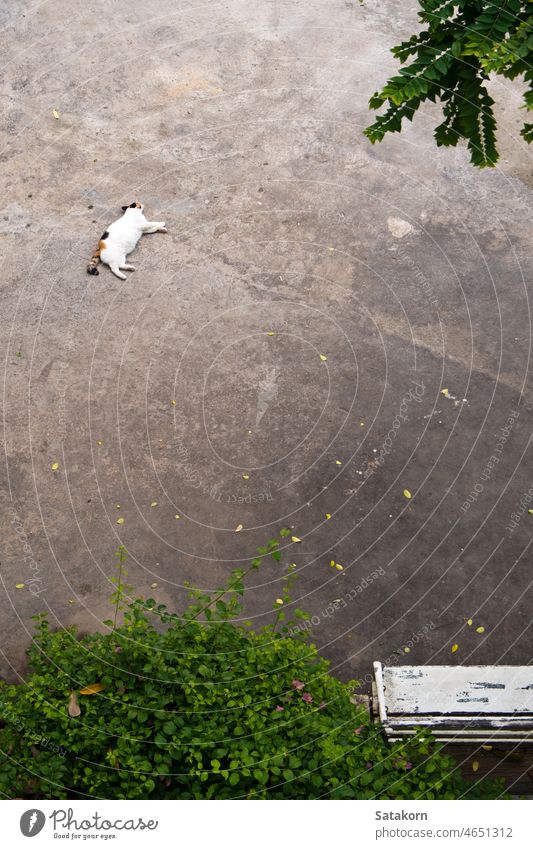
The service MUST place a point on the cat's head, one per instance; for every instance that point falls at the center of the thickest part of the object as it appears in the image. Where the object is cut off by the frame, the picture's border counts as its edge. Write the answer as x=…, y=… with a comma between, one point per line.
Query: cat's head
x=135, y=205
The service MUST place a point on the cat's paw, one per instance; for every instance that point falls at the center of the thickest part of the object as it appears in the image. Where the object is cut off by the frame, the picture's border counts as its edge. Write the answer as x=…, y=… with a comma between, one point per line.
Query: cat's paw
x=162, y=228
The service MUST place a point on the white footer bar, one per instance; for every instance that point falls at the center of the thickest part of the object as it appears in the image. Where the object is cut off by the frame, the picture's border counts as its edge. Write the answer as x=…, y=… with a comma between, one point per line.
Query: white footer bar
x=267, y=825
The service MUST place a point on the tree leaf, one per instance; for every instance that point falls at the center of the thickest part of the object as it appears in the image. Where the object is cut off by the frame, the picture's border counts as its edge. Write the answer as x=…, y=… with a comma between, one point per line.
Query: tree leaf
x=73, y=706
x=91, y=689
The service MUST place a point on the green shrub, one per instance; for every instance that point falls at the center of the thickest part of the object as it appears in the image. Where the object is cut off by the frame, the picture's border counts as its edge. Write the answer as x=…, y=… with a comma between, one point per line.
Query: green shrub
x=194, y=707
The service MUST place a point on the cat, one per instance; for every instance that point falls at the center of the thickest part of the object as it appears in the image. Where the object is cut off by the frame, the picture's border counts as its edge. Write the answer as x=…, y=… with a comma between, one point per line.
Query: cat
x=120, y=239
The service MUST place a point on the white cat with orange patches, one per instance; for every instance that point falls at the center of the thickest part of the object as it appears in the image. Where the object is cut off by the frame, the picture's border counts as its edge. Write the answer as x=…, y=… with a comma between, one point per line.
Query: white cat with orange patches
x=120, y=239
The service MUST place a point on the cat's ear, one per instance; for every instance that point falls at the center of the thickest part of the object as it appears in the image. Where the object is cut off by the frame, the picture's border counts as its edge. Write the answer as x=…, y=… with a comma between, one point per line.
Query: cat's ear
x=124, y=208
x=133, y=205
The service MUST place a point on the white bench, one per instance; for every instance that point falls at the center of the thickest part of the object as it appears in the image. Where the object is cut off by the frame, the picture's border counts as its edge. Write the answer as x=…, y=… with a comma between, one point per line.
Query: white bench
x=459, y=704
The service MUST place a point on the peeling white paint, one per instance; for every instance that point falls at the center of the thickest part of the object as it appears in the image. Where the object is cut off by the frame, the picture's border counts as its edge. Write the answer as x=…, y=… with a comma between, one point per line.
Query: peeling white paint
x=455, y=702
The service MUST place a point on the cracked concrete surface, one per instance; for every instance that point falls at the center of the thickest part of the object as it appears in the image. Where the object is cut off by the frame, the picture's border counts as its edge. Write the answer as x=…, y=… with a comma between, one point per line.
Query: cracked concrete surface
x=239, y=124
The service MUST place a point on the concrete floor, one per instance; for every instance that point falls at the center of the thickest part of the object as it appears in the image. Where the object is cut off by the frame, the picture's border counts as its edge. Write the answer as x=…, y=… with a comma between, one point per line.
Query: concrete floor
x=239, y=123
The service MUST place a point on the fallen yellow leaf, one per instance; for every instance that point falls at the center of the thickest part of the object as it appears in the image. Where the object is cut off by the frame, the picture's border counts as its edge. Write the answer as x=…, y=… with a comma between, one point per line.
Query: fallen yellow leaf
x=99, y=442
x=246, y=477
x=361, y=424
x=468, y=621
x=153, y=586
x=91, y=689
x=407, y=493
x=487, y=748
x=177, y=516
x=271, y=333
x=173, y=403
x=530, y=511
x=55, y=113
x=153, y=504
x=20, y=586
x=475, y=766
x=296, y=539
x=445, y=392
x=279, y=601
x=339, y=567
x=480, y=630
x=71, y=601
x=238, y=529
x=407, y=649
x=54, y=467
x=73, y=706
x=323, y=358
x=455, y=647
x=338, y=462
x=332, y=563
x=328, y=515
x=120, y=520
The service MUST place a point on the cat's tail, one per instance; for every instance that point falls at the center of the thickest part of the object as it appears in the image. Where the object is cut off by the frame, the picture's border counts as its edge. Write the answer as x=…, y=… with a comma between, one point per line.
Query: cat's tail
x=95, y=259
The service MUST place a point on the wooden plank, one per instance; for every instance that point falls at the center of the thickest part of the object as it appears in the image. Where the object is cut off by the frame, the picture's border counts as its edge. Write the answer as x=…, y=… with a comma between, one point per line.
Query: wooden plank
x=408, y=690
x=457, y=689
x=380, y=693
x=431, y=720
x=458, y=737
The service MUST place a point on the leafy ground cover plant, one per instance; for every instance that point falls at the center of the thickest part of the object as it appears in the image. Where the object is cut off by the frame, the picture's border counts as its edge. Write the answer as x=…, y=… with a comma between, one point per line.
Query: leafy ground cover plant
x=192, y=706
x=452, y=59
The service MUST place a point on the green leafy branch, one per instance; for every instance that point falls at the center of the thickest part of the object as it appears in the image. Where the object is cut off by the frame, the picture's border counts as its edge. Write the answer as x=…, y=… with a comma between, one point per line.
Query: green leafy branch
x=465, y=41
x=122, y=593
x=226, y=602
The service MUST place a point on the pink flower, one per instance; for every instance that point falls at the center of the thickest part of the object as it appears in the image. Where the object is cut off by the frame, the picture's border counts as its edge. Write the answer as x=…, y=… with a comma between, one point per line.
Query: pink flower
x=322, y=705
x=278, y=707
x=369, y=765
x=408, y=765
x=358, y=730
x=307, y=697
x=298, y=685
